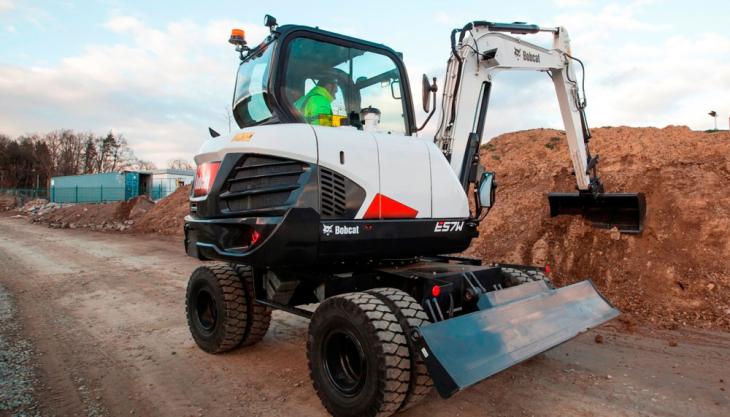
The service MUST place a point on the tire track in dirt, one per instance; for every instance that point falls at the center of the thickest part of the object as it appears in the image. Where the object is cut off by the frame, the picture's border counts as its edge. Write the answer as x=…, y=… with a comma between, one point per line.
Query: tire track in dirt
x=105, y=314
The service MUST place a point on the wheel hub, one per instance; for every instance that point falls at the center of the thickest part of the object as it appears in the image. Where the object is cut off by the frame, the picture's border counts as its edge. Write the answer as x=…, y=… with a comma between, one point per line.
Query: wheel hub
x=344, y=362
x=206, y=310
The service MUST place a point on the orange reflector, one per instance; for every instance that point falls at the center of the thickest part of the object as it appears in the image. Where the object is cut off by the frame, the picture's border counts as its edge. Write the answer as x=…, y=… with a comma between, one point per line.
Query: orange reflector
x=547, y=269
x=436, y=291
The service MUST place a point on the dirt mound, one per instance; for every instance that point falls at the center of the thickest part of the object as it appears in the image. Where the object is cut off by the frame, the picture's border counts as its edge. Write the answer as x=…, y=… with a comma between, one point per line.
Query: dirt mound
x=676, y=272
x=7, y=202
x=116, y=216
x=167, y=216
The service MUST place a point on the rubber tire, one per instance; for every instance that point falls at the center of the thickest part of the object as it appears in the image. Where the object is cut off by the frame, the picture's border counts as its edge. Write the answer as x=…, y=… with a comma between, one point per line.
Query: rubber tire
x=384, y=346
x=258, y=316
x=225, y=288
x=522, y=277
x=410, y=314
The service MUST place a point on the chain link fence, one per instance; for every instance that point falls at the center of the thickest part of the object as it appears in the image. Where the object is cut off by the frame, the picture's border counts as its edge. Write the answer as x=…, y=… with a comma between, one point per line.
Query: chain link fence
x=23, y=195
x=99, y=194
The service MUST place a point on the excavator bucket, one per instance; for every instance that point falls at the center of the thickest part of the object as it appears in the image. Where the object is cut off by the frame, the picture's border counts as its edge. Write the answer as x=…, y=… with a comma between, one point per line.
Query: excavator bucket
x=624, y=211
x=512, y=325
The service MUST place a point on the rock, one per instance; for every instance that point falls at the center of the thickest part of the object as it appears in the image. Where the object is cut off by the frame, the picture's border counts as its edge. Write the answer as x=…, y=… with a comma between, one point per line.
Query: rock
x=710, y=286
x=615, y=234
x=673, y=343
x=599, y=338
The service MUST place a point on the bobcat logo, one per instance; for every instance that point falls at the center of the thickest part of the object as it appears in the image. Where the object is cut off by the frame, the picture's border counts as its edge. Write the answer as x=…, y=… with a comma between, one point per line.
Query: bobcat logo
x=518, y=53
x=327, y=229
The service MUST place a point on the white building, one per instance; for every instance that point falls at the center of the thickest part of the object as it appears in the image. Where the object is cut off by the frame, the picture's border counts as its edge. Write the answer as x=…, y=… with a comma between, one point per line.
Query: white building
x=160, y=183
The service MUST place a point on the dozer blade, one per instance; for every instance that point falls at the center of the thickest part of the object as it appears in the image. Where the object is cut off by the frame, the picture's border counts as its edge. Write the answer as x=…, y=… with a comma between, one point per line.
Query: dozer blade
x=530, y=319
x=625, y=211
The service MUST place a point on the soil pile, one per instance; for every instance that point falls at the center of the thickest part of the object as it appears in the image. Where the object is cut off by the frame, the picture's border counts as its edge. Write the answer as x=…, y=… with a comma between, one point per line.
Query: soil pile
x=677, y=272
x=7, y=202
x=167, y=216
x=116, y=216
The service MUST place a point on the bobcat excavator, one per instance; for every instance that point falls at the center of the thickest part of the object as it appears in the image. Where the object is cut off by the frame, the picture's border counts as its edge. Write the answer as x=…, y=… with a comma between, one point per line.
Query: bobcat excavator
x=351, y=212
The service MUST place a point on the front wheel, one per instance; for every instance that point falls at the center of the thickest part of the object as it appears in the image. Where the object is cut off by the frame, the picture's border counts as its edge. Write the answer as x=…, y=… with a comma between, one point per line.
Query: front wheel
x=358, y=356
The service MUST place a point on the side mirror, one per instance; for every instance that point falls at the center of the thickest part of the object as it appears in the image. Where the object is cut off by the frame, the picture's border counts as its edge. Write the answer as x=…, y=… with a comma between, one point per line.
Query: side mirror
x=487, y=189
x=427, y=90
x=395, y=89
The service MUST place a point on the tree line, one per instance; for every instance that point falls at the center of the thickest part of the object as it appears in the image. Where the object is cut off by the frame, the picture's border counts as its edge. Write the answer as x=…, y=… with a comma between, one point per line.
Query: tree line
x=29, y=161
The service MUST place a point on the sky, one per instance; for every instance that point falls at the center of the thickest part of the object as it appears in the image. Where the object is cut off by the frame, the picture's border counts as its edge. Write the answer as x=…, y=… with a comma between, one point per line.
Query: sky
x=161, y=72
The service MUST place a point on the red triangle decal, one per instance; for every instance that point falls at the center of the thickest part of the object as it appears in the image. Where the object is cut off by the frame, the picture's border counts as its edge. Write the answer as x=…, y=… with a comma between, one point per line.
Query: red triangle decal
x=383, y=207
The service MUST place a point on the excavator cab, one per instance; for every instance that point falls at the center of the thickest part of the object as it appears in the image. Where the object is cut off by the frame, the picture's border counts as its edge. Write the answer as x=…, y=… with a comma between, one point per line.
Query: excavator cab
x=300, y=74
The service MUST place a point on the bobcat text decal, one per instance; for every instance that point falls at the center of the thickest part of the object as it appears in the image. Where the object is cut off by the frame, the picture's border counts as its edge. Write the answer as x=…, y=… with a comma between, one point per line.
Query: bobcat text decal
x=330, y=229
x=527, y=56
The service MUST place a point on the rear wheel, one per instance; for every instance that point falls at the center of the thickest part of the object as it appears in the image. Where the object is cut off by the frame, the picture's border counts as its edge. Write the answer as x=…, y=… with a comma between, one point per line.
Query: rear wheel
x=410, y=314
x=221, y=308
x=216, y=308
x=258, y=316
x=358, y=356
x=518, y=276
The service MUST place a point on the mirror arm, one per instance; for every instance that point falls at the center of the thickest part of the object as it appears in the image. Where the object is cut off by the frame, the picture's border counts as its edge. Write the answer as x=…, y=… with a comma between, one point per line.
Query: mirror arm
x=433, y=110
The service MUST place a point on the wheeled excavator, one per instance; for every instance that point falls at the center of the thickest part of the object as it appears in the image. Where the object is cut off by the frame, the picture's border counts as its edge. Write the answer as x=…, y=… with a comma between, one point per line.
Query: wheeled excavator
x=351, y=220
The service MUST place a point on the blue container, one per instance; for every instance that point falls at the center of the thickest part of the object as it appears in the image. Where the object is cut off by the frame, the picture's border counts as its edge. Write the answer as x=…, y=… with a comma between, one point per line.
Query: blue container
x=95, y=188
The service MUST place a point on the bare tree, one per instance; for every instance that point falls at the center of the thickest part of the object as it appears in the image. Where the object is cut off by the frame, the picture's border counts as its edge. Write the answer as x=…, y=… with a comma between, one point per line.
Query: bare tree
x=181, y=164
x=31, y=160
x=142, y=165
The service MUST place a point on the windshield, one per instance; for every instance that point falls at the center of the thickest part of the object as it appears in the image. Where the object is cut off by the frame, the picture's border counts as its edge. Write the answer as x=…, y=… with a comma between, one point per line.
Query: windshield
x=330, y=84
x=250, y=98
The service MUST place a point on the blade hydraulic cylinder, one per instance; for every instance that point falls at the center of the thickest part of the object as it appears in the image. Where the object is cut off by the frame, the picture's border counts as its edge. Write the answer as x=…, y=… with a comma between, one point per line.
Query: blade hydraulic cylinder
x=523, y=322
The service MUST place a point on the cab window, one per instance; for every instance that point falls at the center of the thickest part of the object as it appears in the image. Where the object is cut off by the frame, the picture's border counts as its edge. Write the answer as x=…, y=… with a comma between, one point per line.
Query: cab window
x=250, y=97
x=329, y=84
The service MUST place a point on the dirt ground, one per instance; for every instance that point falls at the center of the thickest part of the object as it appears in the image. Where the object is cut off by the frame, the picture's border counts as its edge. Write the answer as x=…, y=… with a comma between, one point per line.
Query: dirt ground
x=104, y=316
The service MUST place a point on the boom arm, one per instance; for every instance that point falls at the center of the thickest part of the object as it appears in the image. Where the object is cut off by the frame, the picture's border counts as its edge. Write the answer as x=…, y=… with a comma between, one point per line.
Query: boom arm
x=475, y=59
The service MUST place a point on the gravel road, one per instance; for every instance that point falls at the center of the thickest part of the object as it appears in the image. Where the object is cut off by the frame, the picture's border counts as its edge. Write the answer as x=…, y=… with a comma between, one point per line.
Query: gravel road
x=93, y=324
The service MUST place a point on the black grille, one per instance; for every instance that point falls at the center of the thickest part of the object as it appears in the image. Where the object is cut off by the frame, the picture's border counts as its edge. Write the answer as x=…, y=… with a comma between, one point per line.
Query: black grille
x=260, y=182
x=334, y=196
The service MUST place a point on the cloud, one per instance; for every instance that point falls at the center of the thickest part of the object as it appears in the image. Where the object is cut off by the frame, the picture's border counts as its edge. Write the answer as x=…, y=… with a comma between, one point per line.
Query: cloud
x=634, y=75
x=159, y=86
x=122, y=24
x=6, y=5
x=571, y=3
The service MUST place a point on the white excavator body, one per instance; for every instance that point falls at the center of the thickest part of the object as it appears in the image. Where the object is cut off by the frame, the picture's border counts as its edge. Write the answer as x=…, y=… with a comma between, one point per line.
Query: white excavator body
x=326, y=195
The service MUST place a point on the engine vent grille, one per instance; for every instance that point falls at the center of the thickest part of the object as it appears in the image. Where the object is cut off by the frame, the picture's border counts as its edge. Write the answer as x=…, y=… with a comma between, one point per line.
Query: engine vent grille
x=261, y=182
x=334, y=196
